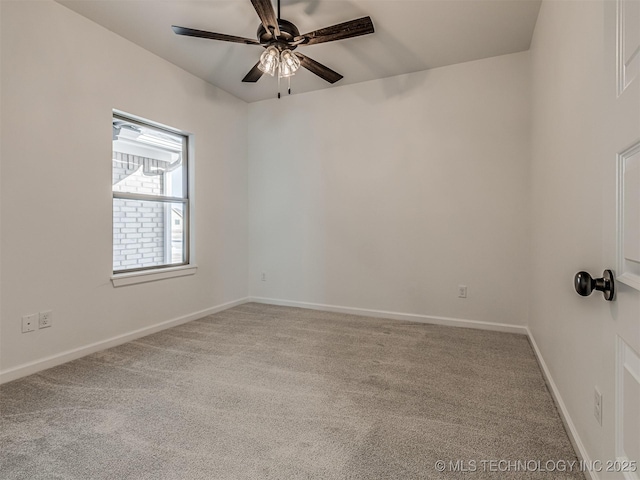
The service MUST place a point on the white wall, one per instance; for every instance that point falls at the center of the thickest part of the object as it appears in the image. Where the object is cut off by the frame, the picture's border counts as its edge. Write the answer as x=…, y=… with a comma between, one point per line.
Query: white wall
x=61, y=77
x=387, y=195
x=573, y=213
x=566, y=233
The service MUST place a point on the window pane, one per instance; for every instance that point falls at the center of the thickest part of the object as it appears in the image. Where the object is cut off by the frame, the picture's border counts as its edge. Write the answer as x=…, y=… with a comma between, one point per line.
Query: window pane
x=147, y=234
x=148, y=161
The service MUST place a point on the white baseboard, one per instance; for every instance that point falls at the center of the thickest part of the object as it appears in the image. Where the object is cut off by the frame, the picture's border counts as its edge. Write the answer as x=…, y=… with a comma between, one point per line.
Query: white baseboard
x=569, y=426
x=60, y=358
x=411, y=317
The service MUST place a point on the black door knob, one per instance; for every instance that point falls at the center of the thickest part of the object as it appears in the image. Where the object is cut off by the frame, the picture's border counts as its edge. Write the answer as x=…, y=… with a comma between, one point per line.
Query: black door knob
x=585, y=284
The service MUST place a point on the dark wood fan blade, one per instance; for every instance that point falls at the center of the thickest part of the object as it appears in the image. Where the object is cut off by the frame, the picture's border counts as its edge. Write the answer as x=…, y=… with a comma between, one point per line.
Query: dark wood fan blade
x=314, y=67
x=254, y=74
x=264, y=9
x=353, y=28
x=190, y=32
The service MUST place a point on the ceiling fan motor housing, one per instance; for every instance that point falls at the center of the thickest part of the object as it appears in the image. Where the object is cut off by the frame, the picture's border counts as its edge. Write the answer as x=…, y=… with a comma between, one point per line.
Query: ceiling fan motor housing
x=288, y=31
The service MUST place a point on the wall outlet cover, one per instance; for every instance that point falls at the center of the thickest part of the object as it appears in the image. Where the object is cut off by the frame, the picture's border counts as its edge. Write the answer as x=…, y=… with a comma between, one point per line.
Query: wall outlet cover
x=29, y=322
x=45, y=319
x=597, y=405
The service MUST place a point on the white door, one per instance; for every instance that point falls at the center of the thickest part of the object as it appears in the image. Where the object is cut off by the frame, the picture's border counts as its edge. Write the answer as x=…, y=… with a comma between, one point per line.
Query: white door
x=621, y=204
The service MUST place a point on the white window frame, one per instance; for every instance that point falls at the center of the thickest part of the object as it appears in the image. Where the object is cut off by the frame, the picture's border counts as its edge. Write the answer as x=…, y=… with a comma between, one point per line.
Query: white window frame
x=160, y=272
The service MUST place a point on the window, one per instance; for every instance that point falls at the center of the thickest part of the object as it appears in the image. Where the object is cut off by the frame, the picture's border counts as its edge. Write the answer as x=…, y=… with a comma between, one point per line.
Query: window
x=150, y=196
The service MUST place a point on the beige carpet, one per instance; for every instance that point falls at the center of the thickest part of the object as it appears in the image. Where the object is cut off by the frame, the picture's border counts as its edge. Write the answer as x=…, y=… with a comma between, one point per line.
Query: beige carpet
x=272, y=392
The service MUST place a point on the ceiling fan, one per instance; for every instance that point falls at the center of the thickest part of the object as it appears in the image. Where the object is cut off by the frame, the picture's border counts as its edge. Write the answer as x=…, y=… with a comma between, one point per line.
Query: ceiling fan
x=280, y=37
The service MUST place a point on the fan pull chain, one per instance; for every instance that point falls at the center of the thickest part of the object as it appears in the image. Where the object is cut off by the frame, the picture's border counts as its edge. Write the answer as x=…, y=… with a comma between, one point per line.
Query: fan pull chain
x=289, y=78
x=278, y=84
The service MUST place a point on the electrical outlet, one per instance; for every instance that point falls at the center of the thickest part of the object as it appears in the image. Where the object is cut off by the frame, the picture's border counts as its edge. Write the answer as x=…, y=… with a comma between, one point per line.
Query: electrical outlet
x=597, y=405
x=29, y=322
x=263, y=277
x=462, y=291
x=46, y=319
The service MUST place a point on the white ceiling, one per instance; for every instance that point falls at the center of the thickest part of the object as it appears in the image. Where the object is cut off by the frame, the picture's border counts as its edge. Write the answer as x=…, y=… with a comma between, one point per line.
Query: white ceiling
x=411, y=35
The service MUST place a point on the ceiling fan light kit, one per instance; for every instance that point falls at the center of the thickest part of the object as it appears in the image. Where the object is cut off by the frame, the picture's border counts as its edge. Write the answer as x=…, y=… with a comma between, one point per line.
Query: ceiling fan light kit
x=285, y=62
x=280, y=37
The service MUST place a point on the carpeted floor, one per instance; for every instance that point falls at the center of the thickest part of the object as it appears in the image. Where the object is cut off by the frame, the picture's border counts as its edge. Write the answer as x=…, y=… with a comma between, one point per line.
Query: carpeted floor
x=271, y=392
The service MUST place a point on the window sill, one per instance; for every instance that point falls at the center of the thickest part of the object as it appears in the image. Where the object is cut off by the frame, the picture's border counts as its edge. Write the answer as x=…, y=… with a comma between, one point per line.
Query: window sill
x=133, y=278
